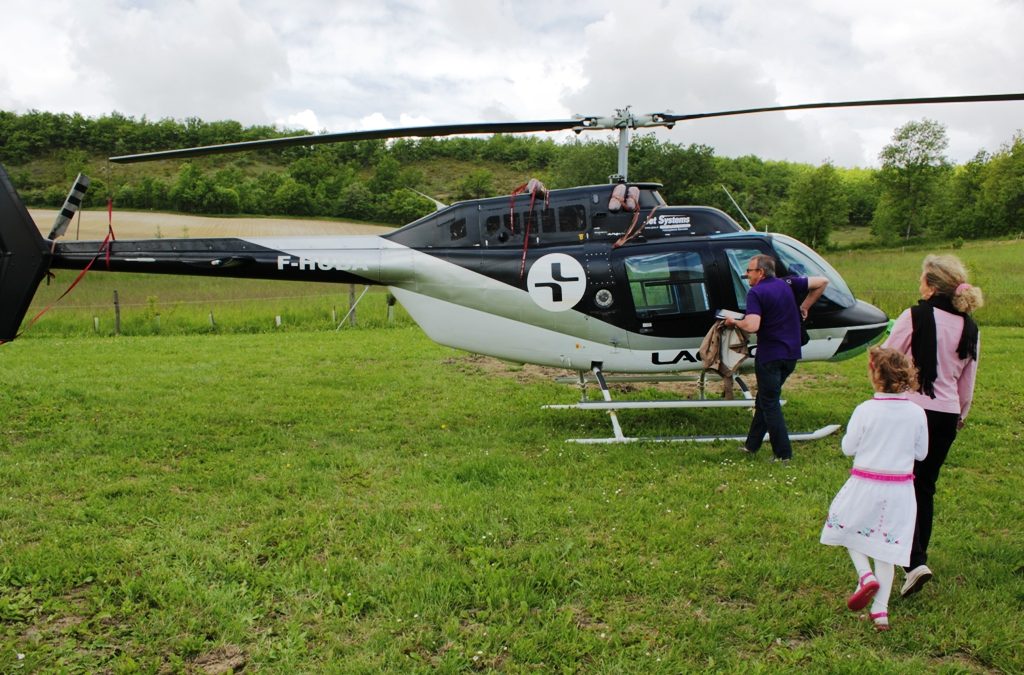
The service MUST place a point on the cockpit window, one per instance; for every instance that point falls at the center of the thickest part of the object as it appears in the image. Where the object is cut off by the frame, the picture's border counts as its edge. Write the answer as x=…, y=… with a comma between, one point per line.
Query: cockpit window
x=801, y=260
x=738, y=259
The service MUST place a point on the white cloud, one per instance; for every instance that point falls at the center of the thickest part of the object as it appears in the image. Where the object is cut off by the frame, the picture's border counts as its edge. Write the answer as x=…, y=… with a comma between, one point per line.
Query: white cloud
x=304, y=119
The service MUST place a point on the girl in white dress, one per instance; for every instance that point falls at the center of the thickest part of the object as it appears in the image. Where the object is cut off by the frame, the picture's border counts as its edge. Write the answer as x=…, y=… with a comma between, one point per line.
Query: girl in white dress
x=873, y=515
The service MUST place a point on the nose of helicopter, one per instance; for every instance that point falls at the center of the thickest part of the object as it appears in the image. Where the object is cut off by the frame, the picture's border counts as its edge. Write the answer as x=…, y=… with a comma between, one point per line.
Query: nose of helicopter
x=866, y=326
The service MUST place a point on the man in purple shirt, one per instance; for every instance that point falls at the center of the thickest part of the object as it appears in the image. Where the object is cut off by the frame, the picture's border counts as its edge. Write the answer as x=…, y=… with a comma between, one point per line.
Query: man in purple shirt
x=773, y=313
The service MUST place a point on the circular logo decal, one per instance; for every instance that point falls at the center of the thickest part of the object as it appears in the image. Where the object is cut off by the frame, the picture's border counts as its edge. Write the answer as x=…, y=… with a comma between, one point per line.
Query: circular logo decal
x=556, y=282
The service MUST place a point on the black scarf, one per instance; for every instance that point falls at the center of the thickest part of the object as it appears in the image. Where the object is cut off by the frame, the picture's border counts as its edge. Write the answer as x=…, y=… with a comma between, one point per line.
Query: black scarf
x=923, y=343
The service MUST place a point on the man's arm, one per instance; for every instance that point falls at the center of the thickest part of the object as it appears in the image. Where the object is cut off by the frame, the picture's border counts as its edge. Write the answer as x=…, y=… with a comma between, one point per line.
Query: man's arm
x=815, y=287
x=750, y=323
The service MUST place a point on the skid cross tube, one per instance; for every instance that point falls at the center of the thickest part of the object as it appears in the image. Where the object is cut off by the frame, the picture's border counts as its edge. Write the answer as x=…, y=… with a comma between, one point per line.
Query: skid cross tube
x=608, y=405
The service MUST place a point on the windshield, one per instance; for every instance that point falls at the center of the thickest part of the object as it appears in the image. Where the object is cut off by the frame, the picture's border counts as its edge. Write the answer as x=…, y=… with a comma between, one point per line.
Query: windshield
x=802, y=261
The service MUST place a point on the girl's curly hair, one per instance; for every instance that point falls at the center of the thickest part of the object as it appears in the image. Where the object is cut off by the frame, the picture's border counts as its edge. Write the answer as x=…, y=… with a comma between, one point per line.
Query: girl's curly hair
x=891, y=371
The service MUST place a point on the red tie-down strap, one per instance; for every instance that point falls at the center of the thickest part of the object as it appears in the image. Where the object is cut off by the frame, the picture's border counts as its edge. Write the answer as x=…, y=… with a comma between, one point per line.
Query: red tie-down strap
x=104, y=249
x=628, y=199
x=533, y=186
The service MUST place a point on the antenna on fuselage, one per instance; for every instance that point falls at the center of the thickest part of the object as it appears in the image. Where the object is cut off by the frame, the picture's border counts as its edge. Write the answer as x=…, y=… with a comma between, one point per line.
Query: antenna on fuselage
x=729, y=195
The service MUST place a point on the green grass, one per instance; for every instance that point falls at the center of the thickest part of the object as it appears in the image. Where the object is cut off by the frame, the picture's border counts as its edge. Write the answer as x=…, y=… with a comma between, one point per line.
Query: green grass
x=850, y=236
x=175, y=305
x=888, y=278
x=367, y=500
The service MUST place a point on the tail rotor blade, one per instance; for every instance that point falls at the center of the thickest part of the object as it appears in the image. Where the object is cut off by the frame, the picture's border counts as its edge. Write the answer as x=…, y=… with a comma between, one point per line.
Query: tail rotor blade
x=71, y=206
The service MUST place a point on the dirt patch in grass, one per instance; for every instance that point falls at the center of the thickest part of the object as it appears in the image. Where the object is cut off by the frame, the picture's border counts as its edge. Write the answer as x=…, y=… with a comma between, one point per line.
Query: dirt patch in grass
x=226, y=659
x=527, y=373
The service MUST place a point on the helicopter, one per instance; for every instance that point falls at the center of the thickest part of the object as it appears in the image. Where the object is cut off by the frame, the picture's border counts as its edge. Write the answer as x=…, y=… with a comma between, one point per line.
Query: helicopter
x=594, y=279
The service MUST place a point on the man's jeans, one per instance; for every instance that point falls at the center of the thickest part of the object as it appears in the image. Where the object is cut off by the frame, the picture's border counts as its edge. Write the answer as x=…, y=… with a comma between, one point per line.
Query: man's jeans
x=767, y=409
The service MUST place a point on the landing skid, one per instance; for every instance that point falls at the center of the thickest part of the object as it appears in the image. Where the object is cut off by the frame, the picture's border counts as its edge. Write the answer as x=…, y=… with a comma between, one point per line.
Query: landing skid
x=610, y=406
x=824, y=431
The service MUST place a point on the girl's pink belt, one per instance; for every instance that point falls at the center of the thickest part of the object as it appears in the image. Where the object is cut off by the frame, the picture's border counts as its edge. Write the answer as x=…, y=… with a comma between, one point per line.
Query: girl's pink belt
x=885, y=477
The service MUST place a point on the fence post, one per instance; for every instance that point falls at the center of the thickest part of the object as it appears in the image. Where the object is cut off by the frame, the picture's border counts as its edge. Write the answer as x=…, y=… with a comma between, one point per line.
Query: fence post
x=352, y=304
x=213, y=324
x=117, y=315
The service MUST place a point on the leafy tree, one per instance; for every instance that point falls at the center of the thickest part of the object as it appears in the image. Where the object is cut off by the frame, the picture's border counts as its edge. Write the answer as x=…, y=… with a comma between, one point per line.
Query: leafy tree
x=148, y=193
x=476, y=184
x=220, y=199
x=582, y=162
x=74, y=163
x=963, y=199
x=684, y=172
x=311, y=169
x=293, y=198
x=817, y=204
x=1002, y=193
x=386, y=175
x=759, y=187
x=913, y=167
x=355, y=201
x=410, y=178
x=403, y=206
x=861, y=190
x=189, y=190
x=113, y=134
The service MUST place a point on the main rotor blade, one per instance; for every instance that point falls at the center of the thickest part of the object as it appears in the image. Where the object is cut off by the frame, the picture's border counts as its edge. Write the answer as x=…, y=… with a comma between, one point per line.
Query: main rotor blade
x=316, y=139
x=577, y=124
x=983, y=98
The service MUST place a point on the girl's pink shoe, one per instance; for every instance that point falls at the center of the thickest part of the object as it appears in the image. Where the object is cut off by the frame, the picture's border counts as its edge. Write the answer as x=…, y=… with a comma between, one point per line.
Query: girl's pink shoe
x=881, y=620
x=866, y=590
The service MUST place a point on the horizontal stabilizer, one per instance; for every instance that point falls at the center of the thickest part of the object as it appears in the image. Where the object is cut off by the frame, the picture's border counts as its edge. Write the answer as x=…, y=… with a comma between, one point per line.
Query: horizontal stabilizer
x=24, y=257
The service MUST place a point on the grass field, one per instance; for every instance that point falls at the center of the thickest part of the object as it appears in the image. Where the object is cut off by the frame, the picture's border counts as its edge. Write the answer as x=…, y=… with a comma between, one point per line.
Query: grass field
x=368, y=500
x=188, y=498
x=888, y=278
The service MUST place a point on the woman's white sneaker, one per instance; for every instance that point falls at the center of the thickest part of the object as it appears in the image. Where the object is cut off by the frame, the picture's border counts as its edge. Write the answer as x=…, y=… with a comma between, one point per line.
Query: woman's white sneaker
x=916, y=578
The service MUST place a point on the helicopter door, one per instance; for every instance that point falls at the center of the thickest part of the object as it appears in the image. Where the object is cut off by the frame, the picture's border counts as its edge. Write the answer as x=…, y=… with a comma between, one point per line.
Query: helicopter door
x=670, y=291
x=731, y=279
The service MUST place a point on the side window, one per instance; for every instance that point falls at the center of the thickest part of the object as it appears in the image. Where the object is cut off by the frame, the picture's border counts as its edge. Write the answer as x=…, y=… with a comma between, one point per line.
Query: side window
x=457, y=229
x=667, y=284
x=572, y=219
x=738, y=259
x=547, y=220
x=501, y=228
x=491, y=226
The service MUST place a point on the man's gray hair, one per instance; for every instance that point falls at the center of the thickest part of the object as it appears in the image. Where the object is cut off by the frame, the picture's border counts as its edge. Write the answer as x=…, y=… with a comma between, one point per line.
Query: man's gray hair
x=765, y=263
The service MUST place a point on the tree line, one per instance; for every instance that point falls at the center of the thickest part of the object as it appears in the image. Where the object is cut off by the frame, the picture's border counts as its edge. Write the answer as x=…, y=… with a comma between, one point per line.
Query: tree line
x=917, y=192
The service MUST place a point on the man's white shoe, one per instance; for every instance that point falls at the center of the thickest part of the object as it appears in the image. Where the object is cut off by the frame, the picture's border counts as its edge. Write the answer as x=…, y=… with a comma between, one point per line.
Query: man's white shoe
x=916, y=579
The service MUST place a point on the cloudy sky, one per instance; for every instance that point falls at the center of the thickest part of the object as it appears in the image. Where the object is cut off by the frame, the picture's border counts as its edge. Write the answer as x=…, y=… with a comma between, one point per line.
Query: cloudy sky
x=339, y=65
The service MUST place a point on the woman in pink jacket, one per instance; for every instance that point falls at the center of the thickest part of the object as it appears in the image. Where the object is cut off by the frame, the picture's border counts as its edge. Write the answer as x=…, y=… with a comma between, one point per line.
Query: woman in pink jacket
x=942, y=339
